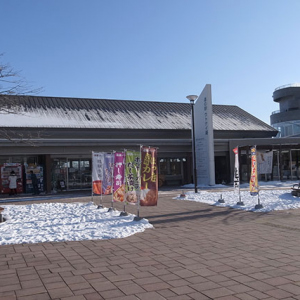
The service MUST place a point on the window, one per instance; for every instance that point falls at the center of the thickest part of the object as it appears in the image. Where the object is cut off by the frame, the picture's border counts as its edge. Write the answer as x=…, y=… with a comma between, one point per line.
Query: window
x=171, y=166
x=163, y=169
x=175, y=166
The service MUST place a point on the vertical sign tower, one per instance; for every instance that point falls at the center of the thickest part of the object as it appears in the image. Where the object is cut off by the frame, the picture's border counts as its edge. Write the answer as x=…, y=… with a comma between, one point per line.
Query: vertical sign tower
x=204, y=138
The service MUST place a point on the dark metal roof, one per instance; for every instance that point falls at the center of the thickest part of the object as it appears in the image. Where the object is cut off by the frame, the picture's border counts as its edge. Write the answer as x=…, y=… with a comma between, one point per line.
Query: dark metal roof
x=58, y=112
x=231, y=117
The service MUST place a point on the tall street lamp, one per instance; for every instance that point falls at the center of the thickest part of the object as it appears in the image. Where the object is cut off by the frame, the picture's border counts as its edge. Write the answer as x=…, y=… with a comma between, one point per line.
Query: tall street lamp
x=192, y=99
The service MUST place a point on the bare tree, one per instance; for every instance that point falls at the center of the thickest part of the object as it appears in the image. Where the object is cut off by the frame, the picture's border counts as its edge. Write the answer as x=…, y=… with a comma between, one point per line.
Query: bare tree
x=12, y=84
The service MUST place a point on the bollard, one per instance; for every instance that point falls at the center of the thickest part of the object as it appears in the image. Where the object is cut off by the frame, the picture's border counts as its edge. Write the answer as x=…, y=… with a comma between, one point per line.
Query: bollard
x=1, y=218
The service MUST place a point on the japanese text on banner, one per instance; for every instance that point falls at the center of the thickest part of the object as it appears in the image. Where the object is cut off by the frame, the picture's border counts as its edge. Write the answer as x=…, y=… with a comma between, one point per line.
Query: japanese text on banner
x=132, y=175
x=119, y=177
x=253, y=178
x=149, y=177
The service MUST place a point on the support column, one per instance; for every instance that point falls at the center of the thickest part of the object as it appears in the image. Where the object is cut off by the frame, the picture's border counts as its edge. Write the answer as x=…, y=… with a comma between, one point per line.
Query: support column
x=280, y=164
x=48, y=173
x=248, y=163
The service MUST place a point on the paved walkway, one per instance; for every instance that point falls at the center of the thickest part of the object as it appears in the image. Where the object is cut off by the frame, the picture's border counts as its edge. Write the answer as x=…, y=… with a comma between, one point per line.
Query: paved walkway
x=196, y=251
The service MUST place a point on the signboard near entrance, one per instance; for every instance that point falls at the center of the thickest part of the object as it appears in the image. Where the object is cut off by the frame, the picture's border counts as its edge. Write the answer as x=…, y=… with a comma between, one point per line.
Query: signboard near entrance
x=204, y=137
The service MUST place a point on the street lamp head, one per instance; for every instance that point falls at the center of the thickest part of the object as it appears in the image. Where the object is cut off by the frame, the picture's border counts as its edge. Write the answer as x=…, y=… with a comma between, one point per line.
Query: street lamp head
x=192, y=98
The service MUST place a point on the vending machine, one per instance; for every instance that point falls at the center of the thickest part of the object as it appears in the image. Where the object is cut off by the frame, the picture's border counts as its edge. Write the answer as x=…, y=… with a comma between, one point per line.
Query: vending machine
x=38, y=171
x=5, y=171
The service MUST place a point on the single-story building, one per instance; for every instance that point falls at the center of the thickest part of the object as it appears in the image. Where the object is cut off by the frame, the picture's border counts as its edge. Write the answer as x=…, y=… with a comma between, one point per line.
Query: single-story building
x=57, y=135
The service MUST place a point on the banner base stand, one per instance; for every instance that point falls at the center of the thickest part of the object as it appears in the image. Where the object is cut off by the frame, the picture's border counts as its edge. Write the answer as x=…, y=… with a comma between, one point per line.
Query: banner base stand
x=258, y=206
x=240, y=202
x=123, y=214
x=221, y=200
x=182, y=195
x=137, y=219
x=111, y=209
x=100, y=206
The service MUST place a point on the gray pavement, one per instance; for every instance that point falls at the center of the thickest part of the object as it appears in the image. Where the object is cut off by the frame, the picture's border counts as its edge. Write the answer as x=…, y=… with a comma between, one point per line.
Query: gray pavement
x=196, y=251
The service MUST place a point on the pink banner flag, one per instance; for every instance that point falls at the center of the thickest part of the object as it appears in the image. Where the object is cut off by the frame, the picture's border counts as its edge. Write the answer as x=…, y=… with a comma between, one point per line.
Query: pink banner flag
x=119, y=177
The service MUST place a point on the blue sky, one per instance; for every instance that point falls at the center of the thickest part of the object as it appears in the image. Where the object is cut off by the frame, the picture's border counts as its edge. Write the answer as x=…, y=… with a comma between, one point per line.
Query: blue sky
x=155, y=50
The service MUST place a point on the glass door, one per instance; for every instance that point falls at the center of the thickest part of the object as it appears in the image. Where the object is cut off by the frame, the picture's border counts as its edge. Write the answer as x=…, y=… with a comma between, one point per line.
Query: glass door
x=286, y=164
x=59, y=172
x=79, y=173
x=295, y=164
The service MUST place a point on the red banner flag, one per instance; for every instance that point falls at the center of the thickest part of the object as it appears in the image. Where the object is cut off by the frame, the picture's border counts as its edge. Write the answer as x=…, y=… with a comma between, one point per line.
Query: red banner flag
x=149, y=177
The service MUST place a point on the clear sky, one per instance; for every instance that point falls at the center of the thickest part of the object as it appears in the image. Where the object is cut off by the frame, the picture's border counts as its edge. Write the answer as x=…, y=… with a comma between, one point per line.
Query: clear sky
x=155, y=50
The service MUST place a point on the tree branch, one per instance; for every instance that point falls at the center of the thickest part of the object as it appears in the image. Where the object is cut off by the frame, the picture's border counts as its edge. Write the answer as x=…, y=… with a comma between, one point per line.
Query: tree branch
x=12, y=83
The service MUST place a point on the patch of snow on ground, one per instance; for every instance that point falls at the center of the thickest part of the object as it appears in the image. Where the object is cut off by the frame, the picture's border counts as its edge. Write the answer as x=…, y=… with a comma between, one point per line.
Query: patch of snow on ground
x=57, y=222
x=270, y=197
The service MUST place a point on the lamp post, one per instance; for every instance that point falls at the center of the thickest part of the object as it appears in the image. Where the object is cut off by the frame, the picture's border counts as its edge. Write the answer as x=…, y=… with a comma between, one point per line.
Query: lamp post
x=192, y=99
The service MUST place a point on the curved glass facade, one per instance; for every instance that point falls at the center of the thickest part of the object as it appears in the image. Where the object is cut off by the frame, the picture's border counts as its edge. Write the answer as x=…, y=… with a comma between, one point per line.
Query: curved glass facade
x=286, y=129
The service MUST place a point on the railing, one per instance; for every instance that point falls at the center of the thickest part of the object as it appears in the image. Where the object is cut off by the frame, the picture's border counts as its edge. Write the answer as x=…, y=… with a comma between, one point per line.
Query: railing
x=287, y=85
x=275, y=112
x=289, y=109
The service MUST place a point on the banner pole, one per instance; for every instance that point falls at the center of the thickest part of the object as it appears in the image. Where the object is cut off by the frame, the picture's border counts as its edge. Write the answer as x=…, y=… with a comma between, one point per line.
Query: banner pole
x=239, y=177
x=92, y=179
x=258, y=205
x=240, y=201
x=138, y=218
x=112, y=182
x=124, y=213
x=237, y=171
x=100, y=204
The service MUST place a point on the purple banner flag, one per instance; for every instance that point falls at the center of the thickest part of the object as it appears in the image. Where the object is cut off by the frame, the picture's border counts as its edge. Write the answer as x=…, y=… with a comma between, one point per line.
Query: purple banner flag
x=107, y=173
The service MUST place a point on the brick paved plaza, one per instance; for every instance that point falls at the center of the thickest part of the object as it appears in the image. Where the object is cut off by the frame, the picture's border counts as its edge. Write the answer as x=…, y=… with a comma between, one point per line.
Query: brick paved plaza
x=196, y=251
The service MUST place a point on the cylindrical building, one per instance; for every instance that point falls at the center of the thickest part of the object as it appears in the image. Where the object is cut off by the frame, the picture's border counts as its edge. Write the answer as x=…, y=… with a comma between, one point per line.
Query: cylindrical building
x=287, y=119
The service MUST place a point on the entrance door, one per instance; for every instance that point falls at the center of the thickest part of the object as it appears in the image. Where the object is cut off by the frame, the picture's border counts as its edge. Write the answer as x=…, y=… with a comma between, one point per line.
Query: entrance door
x=79, y=173
x=286, y=164
x=171, y=171
x=295, y=164
x=59, y=173
x=222, y=170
